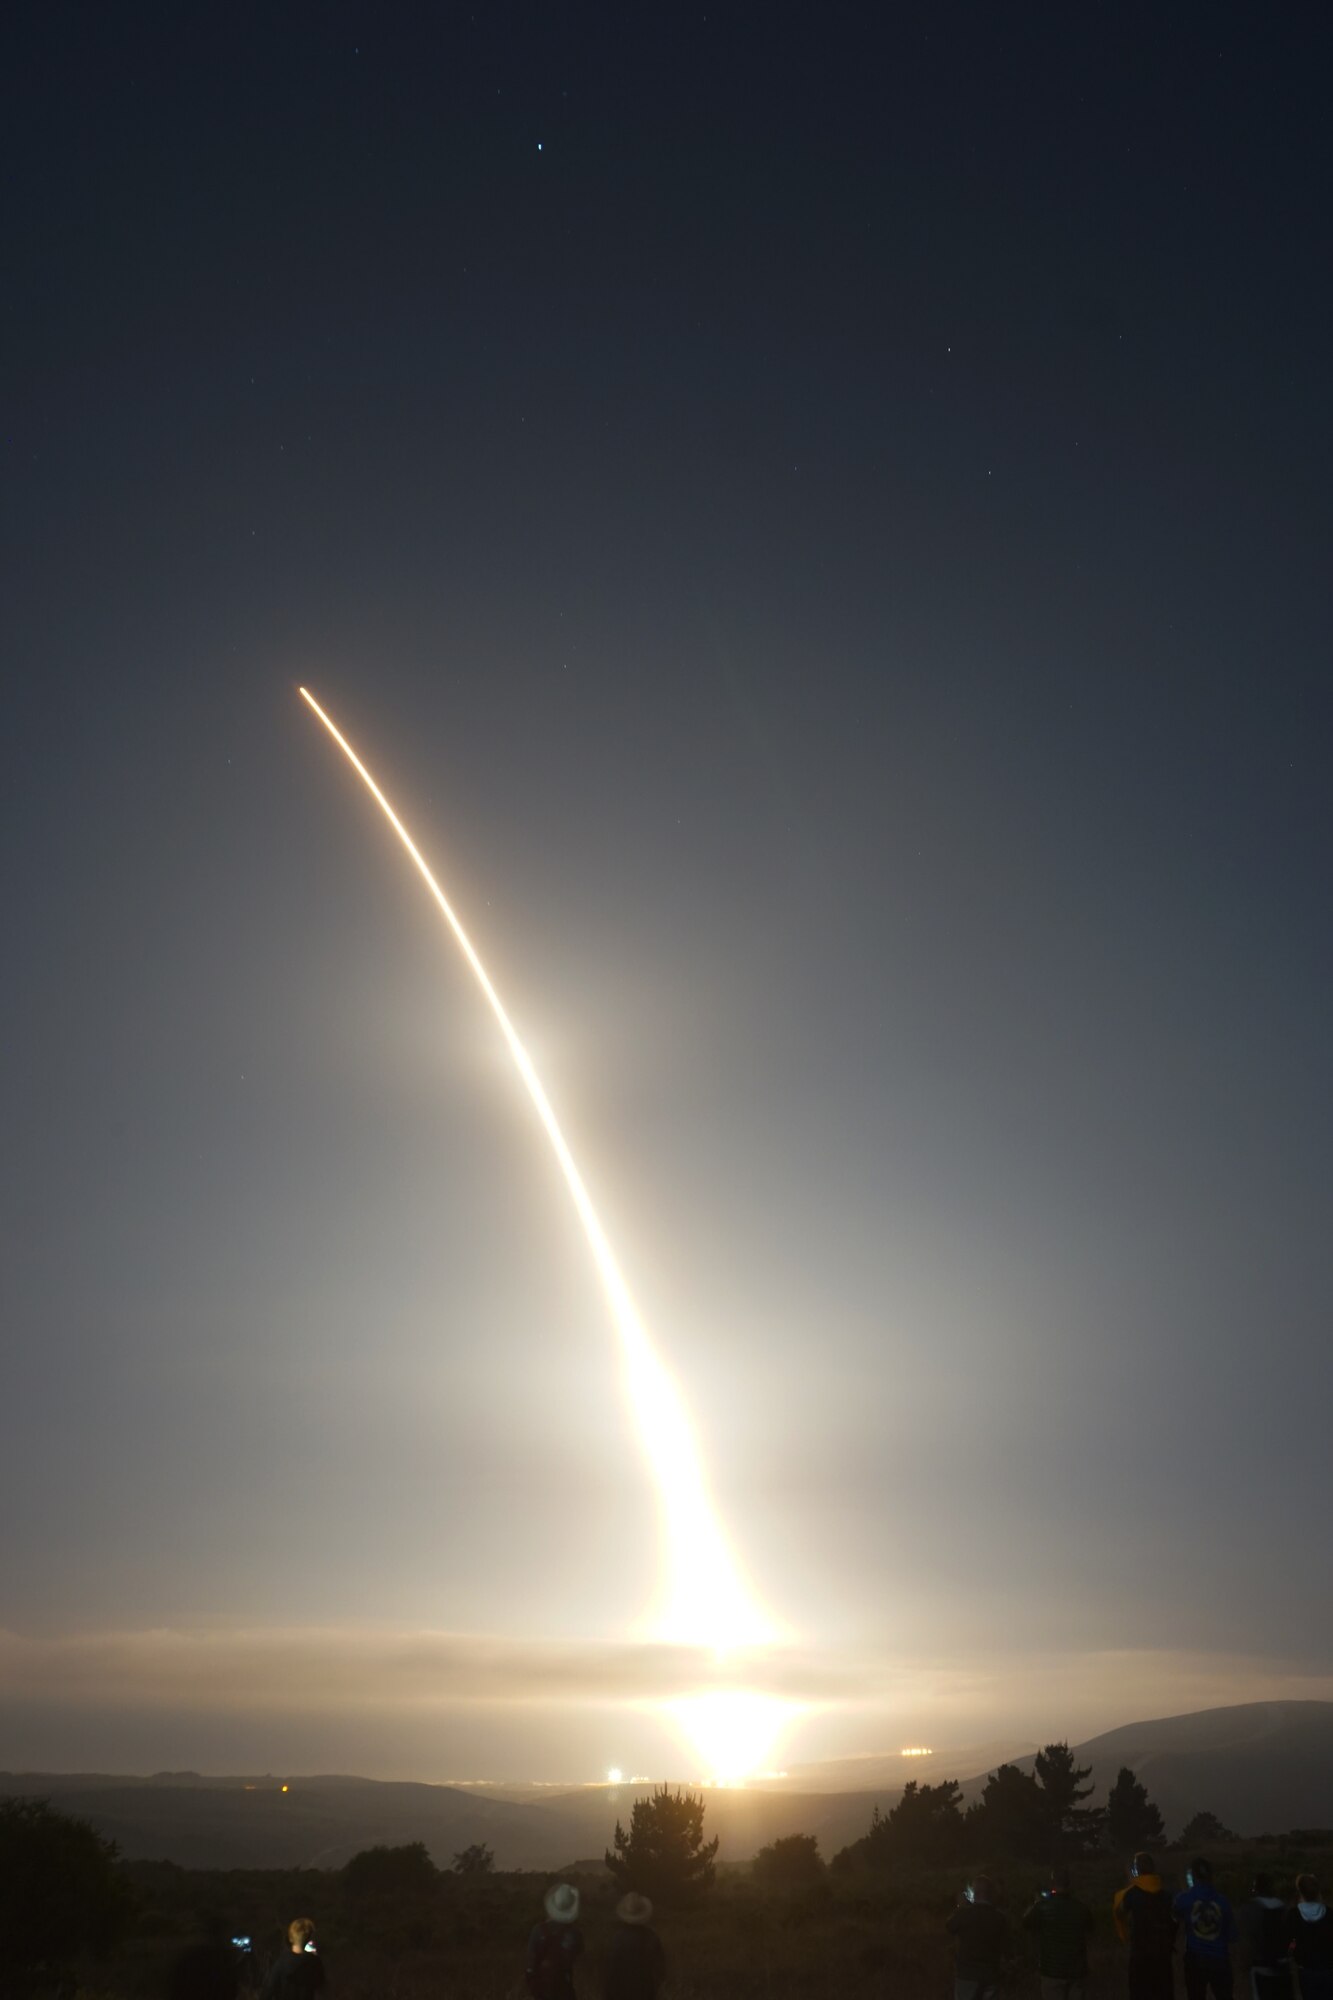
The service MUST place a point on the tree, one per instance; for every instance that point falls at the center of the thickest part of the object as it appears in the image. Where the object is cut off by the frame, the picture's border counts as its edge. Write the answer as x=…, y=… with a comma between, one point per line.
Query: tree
x=789, y=1863
x=1012, y=1819
x=663, y=1855
x=1075, y=1828
x=1132, y=1820
x=475, y=1860
x=61, y=1893
x=380, y=1874
x=926, y=1825
x=1204, y=1830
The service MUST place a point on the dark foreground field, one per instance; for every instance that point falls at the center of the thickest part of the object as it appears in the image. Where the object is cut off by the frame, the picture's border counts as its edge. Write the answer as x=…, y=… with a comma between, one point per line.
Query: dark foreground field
x=850, y=1937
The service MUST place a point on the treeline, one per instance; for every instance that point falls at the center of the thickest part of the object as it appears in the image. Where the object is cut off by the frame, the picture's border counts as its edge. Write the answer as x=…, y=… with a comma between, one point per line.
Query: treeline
x=1041, y=1815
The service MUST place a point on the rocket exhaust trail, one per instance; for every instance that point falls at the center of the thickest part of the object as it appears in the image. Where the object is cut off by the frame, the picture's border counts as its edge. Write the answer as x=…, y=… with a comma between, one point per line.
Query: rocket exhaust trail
x=707, y=1602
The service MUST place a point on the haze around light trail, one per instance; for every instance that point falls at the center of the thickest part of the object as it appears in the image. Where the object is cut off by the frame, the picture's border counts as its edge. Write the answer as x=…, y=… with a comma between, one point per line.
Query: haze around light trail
x=706, y=1601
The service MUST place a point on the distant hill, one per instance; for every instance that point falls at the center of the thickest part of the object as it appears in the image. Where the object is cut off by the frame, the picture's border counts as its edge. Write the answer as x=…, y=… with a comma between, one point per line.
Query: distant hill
x=1262, y=1768
x=321, y=1822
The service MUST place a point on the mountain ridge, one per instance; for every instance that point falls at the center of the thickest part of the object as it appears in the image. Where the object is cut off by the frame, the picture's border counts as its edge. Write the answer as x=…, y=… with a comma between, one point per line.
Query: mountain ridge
x=1261, y=1767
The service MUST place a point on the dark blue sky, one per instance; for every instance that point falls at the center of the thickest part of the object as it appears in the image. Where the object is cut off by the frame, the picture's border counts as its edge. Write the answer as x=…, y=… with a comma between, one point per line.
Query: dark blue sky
x=823, y=528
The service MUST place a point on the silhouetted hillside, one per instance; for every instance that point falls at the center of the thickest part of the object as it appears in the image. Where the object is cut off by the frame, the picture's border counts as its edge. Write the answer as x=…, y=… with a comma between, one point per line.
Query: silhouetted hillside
x=1264, y=1767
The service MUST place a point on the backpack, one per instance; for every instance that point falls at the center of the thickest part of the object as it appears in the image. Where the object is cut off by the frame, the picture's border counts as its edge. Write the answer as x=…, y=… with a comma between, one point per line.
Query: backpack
x=553, y=1960
x=1271, y=1938
x=1151, y=1923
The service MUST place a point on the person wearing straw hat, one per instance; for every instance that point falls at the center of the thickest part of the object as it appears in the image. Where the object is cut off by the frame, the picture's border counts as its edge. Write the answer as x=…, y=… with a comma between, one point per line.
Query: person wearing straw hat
x=554, y=1945
x=635, y=1962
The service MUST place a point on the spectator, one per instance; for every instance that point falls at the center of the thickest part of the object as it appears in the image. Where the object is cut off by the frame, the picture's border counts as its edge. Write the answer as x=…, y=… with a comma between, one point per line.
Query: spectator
x=1261, y=1928
x=635, y=1963
x=1310, y=1940
x=1145, y=1921
x=1204, y=1914
x=983, y=1938
x=210, y=1968
x=1062, y=1925
x=299, y=1971
x=554, y=1946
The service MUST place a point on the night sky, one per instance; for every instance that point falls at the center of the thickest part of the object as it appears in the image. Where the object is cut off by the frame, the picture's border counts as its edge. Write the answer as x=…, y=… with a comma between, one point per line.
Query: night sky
x=823, y=528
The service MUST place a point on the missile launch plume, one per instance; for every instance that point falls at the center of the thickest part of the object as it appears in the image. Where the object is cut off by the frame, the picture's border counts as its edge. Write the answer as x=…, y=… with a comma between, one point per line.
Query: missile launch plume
x=706, y=1601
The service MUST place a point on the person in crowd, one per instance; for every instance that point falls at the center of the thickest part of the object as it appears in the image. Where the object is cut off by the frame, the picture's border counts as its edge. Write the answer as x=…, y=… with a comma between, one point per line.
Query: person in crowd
x=555, y=1945
x=211, y=1967
x=1260, y=1925
x=1145, y=1921
x=1309, y=1940
x=1062, y=1925
x=1204, y=1914
x=982, y=1935
x=635, y=1962
x=299, y=1971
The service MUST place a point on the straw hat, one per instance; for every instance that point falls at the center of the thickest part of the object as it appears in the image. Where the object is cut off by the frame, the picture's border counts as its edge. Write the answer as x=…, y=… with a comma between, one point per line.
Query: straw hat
x=634, y=1909
x=562, y=1903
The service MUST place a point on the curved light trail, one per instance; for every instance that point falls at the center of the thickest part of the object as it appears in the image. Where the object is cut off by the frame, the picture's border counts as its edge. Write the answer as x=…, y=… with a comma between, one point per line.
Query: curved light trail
x=706, y=1602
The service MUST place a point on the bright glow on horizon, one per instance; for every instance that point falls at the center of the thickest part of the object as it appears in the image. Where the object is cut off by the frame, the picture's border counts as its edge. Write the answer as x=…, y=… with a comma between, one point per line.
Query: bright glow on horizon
x=917, y=1750
x=615, y=1776
x=705, y=1602
x=733, y=1730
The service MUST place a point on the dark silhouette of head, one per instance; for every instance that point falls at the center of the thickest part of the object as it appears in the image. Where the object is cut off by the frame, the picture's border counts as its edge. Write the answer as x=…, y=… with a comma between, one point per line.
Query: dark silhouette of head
x=1059, y=1879
x=1143, y=1863
x=1201, y=1872
x=982, y=1890
x=1307, y=1888
x=1263, y=1883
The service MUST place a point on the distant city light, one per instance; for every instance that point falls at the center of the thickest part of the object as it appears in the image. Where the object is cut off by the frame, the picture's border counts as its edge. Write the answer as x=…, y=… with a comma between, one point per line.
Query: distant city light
x=918, y=1750
x=615, y=1777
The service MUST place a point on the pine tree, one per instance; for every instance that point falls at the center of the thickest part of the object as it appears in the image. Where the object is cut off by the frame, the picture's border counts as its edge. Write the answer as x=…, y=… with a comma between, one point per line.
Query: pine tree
x=1075, y=1828
x=664, y=1854
x=1132, y=1820
x=1012, y=1818
x=926, y=1825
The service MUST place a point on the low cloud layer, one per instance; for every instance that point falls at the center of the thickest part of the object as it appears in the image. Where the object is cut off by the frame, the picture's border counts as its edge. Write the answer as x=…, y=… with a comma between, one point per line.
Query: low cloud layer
x=349, y=1680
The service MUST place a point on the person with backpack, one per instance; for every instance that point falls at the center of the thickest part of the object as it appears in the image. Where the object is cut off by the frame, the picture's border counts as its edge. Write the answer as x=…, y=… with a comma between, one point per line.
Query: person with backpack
x=1309, y=1929
x=1062, y=1925
x=635, y=1962
x=983, y=1939
x=1146, y=1922
x=1204, y=1914
x=1261, y=1929
x=554, y=1946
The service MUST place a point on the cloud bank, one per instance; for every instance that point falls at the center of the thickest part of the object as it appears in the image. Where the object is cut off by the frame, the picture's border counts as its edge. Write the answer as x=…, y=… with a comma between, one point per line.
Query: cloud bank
x=849, y=1702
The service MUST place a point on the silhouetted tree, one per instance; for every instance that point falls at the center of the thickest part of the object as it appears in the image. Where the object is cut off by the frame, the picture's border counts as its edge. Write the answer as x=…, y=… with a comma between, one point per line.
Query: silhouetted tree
x=1012, y=1818
x=790, y=1863
x=664, y=1854
x=926, y=1825
x=60, y=1891
x=1074, y=1827
x=381, y=1873
x=475, y=1860
x=1203, y=1831
x=1132, y=1820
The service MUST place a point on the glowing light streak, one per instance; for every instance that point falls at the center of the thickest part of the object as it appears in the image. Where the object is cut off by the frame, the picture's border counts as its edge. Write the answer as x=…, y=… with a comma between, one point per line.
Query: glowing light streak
x=706, y=1602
